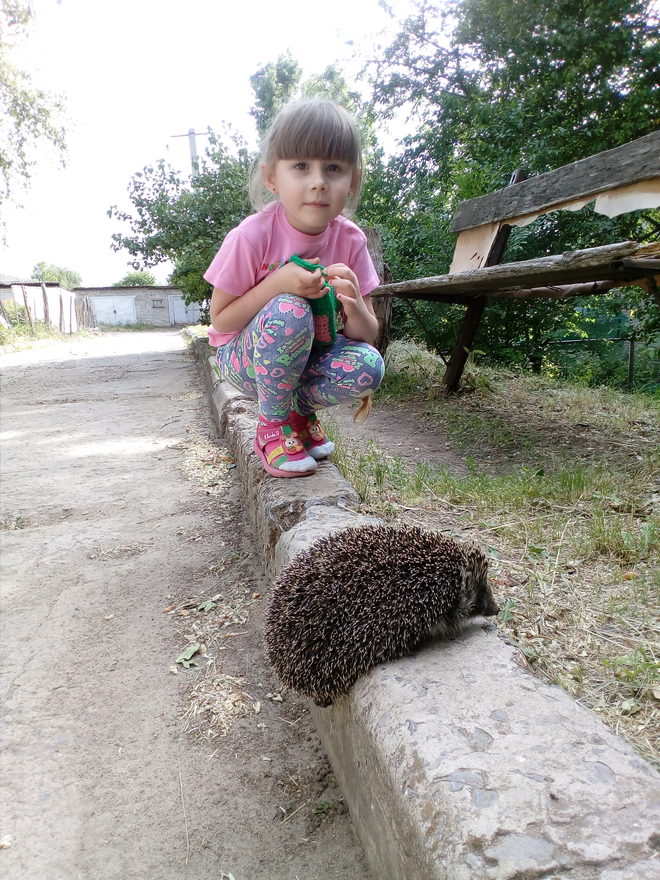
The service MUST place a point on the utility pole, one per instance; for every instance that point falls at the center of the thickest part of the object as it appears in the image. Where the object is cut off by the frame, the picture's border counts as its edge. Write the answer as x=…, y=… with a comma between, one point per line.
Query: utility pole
x=192, y=143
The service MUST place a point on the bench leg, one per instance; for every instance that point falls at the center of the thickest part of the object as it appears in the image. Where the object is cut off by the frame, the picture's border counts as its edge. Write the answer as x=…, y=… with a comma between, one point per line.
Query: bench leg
x=461, y=352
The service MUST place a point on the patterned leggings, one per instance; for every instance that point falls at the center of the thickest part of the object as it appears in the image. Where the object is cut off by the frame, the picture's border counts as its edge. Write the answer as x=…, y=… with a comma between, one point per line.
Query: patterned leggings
x=273, y=361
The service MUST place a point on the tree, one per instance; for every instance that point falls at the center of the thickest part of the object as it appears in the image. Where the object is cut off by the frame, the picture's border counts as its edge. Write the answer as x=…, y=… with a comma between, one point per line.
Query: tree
x=64, y=277
x=494, y=85
x=184, y=220
x=279, y=82
x=274, y=85
x=28, y=114
x=138, y=278
x=331, y=84
x=497, y=85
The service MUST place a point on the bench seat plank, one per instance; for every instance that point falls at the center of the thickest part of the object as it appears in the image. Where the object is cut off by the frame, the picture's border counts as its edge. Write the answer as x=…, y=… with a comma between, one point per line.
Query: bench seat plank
x=606, y=263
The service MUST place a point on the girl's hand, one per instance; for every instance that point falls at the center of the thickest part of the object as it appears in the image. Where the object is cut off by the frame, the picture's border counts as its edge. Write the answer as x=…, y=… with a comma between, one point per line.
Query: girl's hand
x=347, y=289
x=349, y=296
x=339, y=270
x=301, y=282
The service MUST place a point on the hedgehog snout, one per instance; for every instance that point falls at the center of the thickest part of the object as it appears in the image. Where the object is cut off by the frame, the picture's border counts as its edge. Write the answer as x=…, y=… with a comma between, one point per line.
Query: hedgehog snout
x=485, y=603
x=491, y=608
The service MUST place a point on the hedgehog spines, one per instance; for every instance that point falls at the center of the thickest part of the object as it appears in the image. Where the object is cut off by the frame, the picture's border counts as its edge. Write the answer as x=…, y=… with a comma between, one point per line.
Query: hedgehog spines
x=368, y=595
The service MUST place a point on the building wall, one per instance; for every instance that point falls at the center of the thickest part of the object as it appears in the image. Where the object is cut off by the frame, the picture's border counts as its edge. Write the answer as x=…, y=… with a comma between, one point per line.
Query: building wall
x=54, y=301
x=151, y=303
x=158, y=306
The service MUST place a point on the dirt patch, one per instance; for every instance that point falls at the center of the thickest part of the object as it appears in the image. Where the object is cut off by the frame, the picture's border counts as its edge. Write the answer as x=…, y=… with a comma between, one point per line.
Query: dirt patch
x=124, y=544
x=559, y=485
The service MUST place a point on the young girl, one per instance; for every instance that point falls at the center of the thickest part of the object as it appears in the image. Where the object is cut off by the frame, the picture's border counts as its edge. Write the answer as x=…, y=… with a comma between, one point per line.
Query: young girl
x=261, y=312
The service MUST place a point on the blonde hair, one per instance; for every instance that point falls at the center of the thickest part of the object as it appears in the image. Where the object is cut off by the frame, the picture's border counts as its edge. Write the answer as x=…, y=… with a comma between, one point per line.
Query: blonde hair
x=364, y=410
x=314, y=128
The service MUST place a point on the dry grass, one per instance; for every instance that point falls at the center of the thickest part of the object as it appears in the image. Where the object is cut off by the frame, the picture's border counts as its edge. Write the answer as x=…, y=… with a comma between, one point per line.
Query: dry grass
x=120, y=551
x=561, y=487
x=214, y=698
x=14, y=522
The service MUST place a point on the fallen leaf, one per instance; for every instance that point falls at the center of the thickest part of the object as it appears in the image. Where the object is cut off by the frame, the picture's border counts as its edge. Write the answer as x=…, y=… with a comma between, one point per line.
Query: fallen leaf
x=630, y=707
x=185, y=657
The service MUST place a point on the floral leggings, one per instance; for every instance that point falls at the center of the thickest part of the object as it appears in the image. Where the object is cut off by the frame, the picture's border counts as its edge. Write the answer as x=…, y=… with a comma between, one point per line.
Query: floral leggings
x=273, y=359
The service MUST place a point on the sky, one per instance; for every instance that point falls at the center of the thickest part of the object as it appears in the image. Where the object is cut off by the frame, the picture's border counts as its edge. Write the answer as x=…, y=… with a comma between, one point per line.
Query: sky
x=134, y=73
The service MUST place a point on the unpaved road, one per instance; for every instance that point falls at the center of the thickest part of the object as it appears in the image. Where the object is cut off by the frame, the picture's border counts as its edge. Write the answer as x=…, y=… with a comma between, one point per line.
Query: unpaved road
x=120, y=514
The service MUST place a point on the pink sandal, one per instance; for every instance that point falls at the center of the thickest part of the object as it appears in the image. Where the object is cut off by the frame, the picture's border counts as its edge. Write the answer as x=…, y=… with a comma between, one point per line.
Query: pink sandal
x=281, y=452
x=309, y=429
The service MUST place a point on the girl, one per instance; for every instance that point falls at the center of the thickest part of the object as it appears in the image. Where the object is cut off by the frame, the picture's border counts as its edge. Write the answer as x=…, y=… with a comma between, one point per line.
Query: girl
x=261, y=311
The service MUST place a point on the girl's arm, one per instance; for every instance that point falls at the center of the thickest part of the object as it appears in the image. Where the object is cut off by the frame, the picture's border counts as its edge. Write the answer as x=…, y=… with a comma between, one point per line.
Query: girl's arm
x=360, y=321
x=232, y=313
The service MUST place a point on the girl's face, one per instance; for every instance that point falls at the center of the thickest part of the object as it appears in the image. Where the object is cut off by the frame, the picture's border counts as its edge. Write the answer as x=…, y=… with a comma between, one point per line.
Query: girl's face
x=312, y=191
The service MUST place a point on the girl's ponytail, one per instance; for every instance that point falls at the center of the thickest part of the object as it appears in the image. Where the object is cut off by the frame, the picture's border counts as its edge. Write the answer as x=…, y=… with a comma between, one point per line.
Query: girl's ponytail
x=364, y=410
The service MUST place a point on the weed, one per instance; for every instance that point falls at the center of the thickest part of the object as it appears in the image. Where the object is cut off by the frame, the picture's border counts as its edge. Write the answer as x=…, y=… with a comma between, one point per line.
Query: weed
x=624, y=537
x=506, y=610
x=13, y=522
x=559, y=483
x=638, y=670
x=324, y=807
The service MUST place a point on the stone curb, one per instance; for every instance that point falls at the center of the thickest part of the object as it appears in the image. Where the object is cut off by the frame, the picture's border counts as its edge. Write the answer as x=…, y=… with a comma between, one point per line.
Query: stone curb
x=457, y=763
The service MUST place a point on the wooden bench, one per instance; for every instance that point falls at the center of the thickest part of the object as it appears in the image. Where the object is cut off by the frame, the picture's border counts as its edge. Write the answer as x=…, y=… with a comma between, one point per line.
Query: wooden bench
x=626, y=178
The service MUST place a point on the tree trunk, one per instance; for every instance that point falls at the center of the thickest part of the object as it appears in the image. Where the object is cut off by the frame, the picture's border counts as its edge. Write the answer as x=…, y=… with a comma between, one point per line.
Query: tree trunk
x=382, y=304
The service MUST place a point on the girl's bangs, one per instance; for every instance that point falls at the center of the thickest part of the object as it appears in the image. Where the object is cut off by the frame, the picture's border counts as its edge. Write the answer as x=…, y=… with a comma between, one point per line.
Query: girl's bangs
x=327, y=137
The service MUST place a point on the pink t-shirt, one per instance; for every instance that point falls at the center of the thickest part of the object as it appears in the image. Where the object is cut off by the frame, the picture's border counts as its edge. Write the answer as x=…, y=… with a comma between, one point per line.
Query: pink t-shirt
x=265, y=241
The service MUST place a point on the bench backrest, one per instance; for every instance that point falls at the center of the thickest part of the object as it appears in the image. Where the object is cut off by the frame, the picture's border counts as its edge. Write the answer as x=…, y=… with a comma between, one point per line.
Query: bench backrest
x=626, y=178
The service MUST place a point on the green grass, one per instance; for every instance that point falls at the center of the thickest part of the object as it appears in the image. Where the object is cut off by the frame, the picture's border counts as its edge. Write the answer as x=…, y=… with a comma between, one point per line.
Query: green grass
x=558, y=485
x=22, y=335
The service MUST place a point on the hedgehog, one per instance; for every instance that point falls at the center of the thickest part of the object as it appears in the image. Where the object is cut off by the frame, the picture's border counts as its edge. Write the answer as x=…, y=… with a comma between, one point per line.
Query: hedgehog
x=366, y=596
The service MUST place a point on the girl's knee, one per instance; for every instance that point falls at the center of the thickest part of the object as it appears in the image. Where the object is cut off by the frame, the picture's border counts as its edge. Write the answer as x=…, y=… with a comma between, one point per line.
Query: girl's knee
x=290, y=308
x=374, y=360
x=371, y=365
x=358, y=369
x=286, y=321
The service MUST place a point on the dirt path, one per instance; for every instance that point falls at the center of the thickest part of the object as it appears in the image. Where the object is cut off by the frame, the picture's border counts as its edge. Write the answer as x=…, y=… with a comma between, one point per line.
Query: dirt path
x=117, y=504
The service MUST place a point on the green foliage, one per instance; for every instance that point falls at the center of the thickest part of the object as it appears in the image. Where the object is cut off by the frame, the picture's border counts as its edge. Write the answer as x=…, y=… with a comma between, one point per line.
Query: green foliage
x=274, y=85
x=279, y=82
x=29, y=114
x=184, y=220
x=497, y=85
x=57, y=274
x=490, y=86
x=330, y=84
x=138, y=278
x=19, y=329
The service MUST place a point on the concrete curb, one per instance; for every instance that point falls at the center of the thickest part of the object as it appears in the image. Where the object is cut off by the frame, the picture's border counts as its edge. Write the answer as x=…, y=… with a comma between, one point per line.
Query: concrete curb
x=457, y=763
